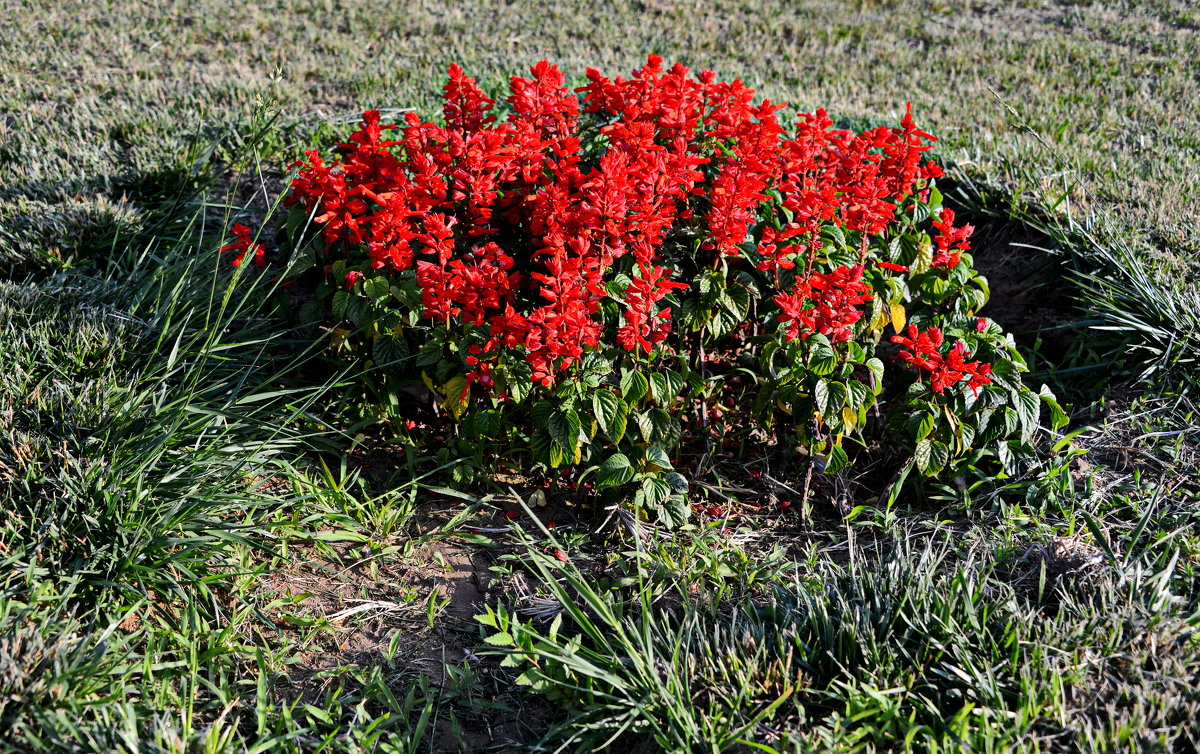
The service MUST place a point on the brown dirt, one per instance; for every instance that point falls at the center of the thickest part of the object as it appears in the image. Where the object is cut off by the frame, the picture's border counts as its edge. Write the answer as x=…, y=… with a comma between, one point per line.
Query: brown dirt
x=1027, y=291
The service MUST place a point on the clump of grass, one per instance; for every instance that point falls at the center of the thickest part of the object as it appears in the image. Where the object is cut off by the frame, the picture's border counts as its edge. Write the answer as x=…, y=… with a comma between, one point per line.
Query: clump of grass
x=908, y=645
x=147, y=408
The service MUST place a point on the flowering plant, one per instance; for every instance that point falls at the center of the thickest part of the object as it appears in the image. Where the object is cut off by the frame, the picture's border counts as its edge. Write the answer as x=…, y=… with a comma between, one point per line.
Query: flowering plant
x=579, y=274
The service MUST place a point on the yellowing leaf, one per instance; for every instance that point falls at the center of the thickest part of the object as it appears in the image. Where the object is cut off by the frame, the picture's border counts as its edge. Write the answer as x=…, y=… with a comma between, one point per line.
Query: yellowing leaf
x=899, y=317
x=849, y=415
x=454, y=397
x=924, y=255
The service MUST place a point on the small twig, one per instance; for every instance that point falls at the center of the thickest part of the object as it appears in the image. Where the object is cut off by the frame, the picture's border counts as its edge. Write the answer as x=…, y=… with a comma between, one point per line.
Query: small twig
x=804, y=497
x=718, y=490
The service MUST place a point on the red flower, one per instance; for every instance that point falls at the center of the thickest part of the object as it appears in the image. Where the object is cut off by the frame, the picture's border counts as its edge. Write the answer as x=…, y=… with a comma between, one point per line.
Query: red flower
x=511, y=230
x=243, y=245
x=825, y=303
x=948, y=235
x=922, y=350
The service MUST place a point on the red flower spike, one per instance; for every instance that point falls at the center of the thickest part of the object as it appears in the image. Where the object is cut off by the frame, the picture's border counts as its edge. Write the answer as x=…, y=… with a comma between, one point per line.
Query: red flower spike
x=922, y=351
x=945, y=256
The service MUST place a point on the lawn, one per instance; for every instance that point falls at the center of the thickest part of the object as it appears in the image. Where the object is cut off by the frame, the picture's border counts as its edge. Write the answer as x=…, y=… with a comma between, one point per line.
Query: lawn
x=217, y=539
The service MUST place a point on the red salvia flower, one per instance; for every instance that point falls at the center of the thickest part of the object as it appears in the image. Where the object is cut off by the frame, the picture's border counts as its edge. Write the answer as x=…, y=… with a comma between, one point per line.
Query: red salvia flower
x=243, y=246
x=511, y=232
x=948, y=237
x=922, y=351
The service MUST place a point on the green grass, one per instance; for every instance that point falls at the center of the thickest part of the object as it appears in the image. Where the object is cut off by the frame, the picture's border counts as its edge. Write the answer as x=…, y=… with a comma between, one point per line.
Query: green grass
x=914, y=644
x=1098, y=100
x=209, y=546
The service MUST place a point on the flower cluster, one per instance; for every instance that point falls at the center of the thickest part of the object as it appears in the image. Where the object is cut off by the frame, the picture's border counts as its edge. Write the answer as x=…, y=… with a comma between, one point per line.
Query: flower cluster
x=922, y=350
x=508, y=226
x=951, y=241
x=825, y=303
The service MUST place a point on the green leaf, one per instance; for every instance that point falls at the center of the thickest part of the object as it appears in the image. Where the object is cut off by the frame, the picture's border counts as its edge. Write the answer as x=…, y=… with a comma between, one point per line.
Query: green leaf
x=620, y=421
x=658, y=387
x=931, y=456
x=664, y=428
x=389, y=348
x=614, y=471
x=1026, y=403
x=722, y=323
x=822, y=362
x=674, y=383
x=518, y=381
x=541, y=443
x=634, y=386
x=657, y=458
x=541, y=413
x=924, y=448
x=564, y=428
x=655, y=491
x=822, y=358
x=430, y=353
x=712, y=281
x=876, y=367
x=678, y=482
x=860, y=394
x=605, y=405
x=341, y=299
x=559, y=455
x=939, y=456
x=736, y=300
x=821, y=395
x=674, y=512
x=835, y=396
x=922, y=424
x=377, y=289
x=836, y=460
x=500, y=640
x=1058, y=418
x=356, y=310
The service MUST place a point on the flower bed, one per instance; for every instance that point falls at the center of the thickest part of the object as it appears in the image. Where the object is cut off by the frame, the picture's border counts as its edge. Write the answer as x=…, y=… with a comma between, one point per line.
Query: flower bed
x=589, y=277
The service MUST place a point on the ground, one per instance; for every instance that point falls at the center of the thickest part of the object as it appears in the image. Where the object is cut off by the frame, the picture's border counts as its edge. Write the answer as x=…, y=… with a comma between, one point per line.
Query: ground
x=205, y=555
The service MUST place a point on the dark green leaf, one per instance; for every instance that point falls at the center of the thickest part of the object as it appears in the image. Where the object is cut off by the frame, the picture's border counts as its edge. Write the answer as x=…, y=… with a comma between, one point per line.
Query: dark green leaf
x=614, y=471
x=633, y=386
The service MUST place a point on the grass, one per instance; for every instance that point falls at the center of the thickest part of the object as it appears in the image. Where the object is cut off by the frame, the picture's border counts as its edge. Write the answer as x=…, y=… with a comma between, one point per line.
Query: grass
x=1092, y=100
x=210, y=546
x=911, y=645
